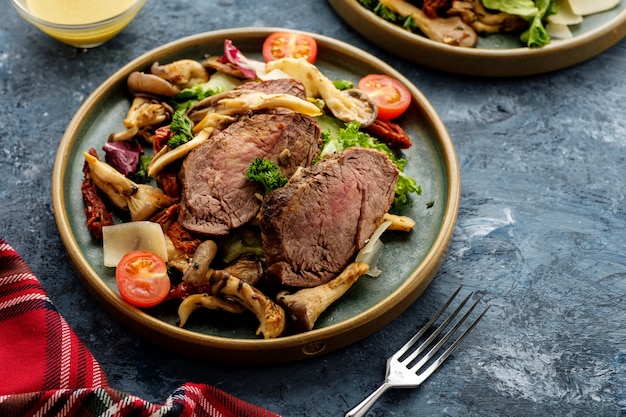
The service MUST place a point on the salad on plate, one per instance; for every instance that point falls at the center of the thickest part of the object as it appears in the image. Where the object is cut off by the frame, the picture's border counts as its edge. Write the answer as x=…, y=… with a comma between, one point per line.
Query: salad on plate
x=461, y=22
x=251, y=187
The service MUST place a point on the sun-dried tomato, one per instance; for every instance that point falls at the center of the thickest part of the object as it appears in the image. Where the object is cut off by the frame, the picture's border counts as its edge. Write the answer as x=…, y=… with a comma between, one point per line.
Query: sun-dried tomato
x=168, y=180
x=160, y=138
x=95, y=209
x=435, y=8
x=166, y=215
x=390, y=133
x=182, y=239
x=185, y=289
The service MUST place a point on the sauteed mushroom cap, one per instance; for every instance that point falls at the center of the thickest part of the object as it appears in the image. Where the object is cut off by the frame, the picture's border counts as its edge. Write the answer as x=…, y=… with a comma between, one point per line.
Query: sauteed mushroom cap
x=140, y=83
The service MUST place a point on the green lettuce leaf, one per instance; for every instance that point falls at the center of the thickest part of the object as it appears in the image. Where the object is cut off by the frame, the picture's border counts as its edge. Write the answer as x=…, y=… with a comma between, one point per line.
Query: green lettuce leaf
x=523, y=8
x=338, y=136
x=535, y=12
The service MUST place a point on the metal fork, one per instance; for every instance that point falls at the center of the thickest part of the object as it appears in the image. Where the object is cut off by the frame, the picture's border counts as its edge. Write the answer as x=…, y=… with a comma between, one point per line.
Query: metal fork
x=402, y=368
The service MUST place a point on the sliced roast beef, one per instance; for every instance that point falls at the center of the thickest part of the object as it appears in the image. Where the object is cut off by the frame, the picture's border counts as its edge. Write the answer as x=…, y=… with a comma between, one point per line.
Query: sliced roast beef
x=314, y=225
x=216, y=195
x=277, y=86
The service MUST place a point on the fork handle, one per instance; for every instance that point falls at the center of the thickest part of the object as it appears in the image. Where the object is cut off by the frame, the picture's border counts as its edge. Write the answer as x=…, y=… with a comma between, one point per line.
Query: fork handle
x=363, y=407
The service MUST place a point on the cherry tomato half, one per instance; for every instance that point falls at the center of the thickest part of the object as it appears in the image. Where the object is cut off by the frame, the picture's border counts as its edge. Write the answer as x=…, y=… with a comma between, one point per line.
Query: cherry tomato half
x=389, y=94
x=289, y=45
x=142, y=279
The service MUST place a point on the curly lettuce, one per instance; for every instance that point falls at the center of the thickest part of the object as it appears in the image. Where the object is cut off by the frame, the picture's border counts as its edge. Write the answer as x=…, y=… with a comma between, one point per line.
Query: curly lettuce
x=181, y=128
x=338, y=136
x=535, y=12
x=267, y=173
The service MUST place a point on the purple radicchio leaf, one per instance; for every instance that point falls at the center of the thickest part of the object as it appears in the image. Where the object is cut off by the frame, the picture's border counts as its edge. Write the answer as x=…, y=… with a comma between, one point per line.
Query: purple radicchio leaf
x=234, y=56
x=123, y=156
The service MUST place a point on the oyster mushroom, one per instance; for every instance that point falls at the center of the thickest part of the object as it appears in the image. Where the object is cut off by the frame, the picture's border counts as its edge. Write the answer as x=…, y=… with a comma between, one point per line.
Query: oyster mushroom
x=306, y=305
x=397, y=222
x=213, y=121
x=272, y=318
x=348, y=106
x=177, y=259
x=141, y=200
x=215, y=63
x=474, y=14
x=195, y=301
x=183, y=73
x=140, y=83
x=236, y=102
x=167, y=155
x=197, y=273
x=248, y=267
x=143, y=115
x=124, y=135
x=450, y=30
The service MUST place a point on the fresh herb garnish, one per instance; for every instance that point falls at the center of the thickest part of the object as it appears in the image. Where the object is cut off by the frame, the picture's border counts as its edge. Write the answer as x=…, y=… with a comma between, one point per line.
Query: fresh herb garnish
x=267, y=173
x=141, y=175
x=181, y=130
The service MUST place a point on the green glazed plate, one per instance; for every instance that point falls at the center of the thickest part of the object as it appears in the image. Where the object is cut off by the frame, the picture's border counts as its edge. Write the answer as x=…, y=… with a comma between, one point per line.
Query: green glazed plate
x=409, y=262
x=495, y=55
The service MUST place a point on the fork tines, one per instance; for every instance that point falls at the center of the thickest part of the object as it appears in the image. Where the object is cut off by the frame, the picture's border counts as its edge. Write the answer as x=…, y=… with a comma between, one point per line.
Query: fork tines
x=404, y=365
x=409, y=358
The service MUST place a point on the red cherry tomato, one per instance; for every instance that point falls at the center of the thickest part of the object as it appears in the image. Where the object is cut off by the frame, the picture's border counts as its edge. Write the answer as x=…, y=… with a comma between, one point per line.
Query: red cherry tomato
x=389, y=94
x=142, y=279
x=289, y=45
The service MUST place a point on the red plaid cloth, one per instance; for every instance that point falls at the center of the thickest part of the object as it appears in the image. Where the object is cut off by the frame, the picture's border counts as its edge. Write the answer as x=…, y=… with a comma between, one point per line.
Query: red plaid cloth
x=45, y=370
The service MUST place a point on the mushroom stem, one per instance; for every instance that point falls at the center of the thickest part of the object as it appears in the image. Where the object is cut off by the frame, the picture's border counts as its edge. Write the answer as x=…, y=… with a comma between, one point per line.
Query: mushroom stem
x=248, y=267
x=306, y=305
x=402, y=223
x=168, y=155
x=196, y=301
x=347, y=105
x=196, y=274
x=235, y=102
x=142, y=83
x=183, y=73
x=272, y=319
x=140, y=199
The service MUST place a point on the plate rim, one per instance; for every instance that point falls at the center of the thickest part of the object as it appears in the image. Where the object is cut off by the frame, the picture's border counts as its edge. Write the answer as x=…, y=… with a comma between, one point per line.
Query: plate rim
x=483, y=62
x=281, y=349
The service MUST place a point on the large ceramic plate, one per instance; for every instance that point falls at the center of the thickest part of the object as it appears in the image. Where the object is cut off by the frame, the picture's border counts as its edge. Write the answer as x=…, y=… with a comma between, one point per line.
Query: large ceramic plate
x=409, y=263
x=496, y=55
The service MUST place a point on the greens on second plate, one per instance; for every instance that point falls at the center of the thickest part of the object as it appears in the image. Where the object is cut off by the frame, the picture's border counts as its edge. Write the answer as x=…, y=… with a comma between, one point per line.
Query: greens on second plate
x=535, y=12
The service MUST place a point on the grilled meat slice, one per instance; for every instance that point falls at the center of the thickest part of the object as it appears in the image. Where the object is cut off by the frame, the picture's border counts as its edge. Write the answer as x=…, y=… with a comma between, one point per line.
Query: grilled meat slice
x=216, y=196
x=313, y=226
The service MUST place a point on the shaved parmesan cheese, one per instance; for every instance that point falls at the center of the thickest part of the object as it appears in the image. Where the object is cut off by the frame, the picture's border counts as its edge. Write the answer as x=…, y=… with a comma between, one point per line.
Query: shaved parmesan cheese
x=371, y=252
x=565, y=15
x=119, y=239
x=558, y=31
x=587, y=7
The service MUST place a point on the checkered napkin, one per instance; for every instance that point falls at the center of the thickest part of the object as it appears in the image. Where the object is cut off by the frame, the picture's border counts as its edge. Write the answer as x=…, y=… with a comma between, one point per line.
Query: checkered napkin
x=45, y=370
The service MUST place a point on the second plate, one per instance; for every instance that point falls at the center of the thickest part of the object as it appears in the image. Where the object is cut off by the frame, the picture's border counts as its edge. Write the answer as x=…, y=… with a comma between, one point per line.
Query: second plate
x=495, y=56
